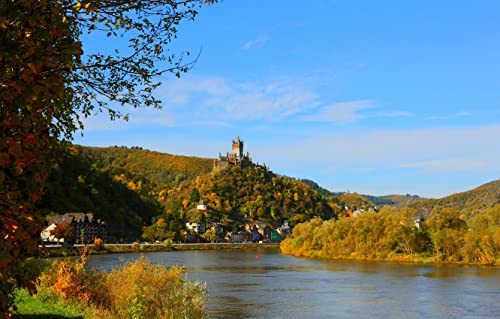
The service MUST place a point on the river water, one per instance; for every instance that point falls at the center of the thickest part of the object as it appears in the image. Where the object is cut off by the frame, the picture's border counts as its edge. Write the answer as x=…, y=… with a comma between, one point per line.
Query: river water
x=263, y=283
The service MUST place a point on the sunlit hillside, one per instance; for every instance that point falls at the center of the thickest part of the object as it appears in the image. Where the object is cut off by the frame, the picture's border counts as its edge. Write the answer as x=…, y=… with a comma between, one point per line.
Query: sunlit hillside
x=469, y=202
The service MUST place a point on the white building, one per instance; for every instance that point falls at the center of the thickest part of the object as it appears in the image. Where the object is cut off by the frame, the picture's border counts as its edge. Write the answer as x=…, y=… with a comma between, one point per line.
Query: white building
x=198, y=228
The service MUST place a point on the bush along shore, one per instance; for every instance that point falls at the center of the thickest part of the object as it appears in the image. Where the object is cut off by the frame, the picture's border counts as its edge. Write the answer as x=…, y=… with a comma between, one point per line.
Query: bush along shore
x=391, y=235
x=69, y=289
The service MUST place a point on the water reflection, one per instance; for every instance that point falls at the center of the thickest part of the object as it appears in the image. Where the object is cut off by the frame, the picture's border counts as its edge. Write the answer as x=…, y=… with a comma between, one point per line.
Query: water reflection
x=266, y=284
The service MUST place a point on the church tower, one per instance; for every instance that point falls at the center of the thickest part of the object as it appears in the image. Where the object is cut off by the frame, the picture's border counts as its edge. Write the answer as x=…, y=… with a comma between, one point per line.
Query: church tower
x=238, y=148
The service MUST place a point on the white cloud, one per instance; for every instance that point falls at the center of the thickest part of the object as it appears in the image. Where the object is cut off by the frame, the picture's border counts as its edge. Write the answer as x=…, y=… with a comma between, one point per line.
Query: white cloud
x=214, y=99
x=341, y=112
x=179, y=92
x=436, y=149
x=448, y=116
x=394, y=114
x=256, y=43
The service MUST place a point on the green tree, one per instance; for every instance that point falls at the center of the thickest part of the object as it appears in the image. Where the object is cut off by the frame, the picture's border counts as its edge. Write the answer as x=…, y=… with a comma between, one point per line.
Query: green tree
x=194, y=197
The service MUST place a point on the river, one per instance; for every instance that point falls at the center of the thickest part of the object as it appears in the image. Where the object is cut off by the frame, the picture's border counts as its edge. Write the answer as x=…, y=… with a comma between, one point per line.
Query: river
x=263, y=283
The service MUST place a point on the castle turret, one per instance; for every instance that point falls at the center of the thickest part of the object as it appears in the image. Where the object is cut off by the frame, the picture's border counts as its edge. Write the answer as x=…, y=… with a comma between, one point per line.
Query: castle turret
x=238, y=148
x=236, y=157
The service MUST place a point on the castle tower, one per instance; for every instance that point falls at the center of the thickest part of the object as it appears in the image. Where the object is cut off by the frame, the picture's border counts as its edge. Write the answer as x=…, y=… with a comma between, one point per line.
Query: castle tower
x=238, y=147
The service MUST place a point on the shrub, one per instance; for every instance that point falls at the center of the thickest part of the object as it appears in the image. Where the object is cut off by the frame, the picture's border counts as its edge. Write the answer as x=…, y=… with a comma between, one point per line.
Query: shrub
x=98, y=244
x=145, y=290
x=136, y=246
x=73, y=281
x=139, y=289
x=167, y=242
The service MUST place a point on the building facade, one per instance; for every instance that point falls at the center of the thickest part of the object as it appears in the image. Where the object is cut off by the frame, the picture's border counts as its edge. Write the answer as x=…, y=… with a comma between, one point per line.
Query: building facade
x=86, y=228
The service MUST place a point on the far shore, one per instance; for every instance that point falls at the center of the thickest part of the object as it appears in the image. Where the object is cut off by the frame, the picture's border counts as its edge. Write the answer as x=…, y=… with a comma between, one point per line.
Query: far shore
x=59, y=251
x=401, y=259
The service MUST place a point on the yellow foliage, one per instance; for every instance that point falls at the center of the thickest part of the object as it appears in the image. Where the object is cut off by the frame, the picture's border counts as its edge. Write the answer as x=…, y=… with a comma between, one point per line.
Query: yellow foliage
x=138, y=290
x=145, y=290
x=132, y=185
x=98, y=243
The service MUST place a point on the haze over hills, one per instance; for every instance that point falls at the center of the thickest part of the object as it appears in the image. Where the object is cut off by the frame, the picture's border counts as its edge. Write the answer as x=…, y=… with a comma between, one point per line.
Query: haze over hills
x=393, y=199
x=362, y=199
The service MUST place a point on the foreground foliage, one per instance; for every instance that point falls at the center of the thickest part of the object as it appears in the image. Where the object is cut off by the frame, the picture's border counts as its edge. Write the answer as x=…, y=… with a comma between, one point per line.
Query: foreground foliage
x=391, y=235
x=47, y=83
x=139, y=289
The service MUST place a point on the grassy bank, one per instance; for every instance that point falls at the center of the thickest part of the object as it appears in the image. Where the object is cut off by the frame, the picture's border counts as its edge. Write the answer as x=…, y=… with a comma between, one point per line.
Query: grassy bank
x=30, y=307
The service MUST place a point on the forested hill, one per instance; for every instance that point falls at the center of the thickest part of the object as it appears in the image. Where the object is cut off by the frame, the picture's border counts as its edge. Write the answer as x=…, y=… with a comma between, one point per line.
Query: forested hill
x=160, y=168
x=118, y=185
x=76, y=185
x=470, y=202
x=235, y=195
x=131, y=187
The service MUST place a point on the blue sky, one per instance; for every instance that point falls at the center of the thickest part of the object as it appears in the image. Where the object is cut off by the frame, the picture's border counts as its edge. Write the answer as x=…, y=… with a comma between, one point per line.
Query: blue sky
x=376, y=97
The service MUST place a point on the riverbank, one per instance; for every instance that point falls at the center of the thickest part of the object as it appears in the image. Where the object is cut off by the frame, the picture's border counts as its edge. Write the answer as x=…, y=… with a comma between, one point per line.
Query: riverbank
x=391, y=258
x=146, y=248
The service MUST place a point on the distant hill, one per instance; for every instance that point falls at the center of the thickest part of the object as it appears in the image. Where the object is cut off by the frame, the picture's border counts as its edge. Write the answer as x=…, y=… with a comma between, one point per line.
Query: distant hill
x=323, y=191
x=392, y=200
x=470, y=202
x=342, y=199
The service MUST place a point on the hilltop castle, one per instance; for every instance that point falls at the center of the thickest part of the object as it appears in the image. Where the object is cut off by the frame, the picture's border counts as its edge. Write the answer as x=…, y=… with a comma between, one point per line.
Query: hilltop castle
x=236, y=157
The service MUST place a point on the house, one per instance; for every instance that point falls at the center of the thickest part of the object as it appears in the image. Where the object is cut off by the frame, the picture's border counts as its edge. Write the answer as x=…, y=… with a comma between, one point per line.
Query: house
x=275, y=237
x=201, y=207
x=418, y=221
x=285, y=230
x=356, y=213
x=219, y=230
x=86, y=228
x=240, y=237
x=264, y=229
x=196, y=227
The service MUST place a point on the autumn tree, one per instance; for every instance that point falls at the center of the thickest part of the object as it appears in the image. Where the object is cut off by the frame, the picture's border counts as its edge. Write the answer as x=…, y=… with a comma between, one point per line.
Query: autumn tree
x=210, y=236
x=48, y=83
